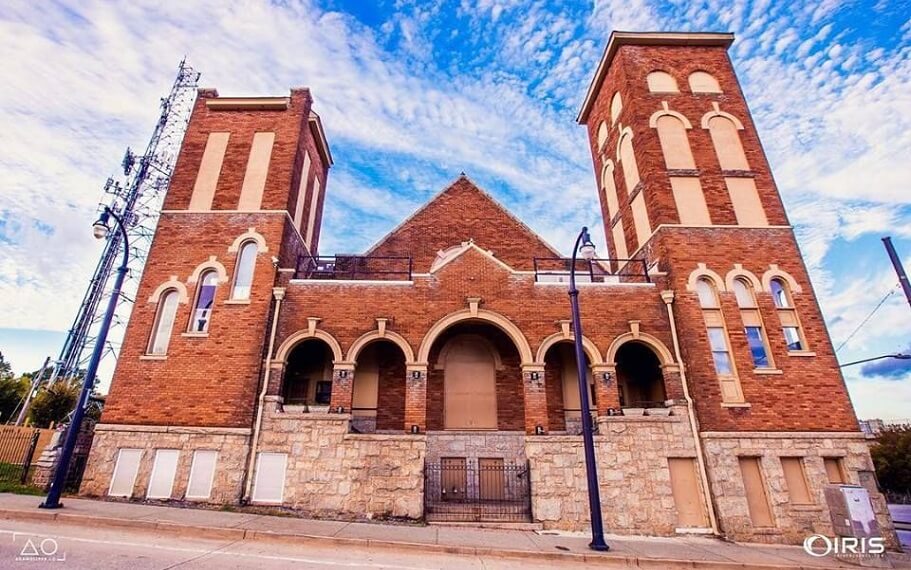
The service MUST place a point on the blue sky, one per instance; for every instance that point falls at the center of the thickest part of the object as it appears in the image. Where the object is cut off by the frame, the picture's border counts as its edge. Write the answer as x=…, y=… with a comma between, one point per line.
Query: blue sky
x=412, y=93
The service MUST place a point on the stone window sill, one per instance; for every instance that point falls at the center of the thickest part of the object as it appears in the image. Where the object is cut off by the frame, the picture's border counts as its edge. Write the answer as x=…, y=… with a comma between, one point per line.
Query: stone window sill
x=195, y=334
x=736, y=405
x=801, y=353
x=237, y=302
x=153, y=357
x=802, y=507
x=767, y=371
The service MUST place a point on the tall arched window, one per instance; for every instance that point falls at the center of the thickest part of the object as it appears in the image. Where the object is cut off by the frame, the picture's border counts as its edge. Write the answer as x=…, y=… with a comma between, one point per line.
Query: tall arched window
x=164, y=322
x=205, y=301
x=702, y=82
x=674, y=143
x=790, y=324
x=661, y=82
x=727, y=144
x=718, y=341
x=243, y=271
x=628, y=162
x=609, y=189
x=616, y=105
x=602, y=135
x=752, y=324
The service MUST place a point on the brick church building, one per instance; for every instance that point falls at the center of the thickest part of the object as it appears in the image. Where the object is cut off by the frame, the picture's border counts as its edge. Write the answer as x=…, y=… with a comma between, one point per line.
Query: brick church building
x=432, y=376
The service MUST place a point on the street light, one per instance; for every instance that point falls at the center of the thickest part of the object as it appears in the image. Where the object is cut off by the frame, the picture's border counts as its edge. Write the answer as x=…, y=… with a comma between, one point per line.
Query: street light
x=100, y=229
x=895, y=356
x=585, y=246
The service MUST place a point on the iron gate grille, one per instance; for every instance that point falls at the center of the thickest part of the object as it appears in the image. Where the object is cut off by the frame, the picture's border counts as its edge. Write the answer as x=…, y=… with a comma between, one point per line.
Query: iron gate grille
x=477, y=490
x=17, y=452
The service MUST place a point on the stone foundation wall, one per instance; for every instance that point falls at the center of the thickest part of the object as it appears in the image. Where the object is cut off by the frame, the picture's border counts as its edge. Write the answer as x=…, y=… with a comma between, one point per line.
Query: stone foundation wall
x=230, y=443
x=331, y=472
x=793, y=523
x=633, y=474
x=474, y=444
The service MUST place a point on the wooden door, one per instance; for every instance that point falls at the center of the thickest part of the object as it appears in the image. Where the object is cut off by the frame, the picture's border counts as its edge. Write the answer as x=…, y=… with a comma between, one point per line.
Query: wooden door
x=491, y=479
x=453, y=478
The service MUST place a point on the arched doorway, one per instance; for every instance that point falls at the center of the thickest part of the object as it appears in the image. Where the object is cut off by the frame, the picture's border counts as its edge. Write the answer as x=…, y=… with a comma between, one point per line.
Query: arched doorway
x=475, y=380
x=378, y=399
x=639, y=377
x=561, y=384
x=308, y=376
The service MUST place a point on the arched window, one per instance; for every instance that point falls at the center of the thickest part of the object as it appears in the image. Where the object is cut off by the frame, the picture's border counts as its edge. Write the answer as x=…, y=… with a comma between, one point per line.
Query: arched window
x=702, y=82
x=243, y=270
x=661, y=82
x=616, y=105
x=674, y=143
x=790, y=324
x=609, y=189
x=205, y=300
x=628, y=161
x=718, y=341
x=752, y=324
x=164, y=322
x=602, y=135
x=727, y=144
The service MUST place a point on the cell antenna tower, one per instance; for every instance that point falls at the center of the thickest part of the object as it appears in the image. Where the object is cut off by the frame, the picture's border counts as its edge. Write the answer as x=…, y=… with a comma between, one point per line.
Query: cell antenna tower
x=137, y=197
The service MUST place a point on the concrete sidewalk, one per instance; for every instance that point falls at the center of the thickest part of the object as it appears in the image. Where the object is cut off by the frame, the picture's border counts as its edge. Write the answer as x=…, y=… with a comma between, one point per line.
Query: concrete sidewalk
x=626, y=552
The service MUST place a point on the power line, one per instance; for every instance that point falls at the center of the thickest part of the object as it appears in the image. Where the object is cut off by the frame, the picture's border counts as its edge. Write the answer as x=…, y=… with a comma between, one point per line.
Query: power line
x=863, y=322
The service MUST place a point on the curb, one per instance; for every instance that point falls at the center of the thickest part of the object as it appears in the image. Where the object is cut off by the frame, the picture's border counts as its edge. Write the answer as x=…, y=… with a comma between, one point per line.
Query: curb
x=238, y=534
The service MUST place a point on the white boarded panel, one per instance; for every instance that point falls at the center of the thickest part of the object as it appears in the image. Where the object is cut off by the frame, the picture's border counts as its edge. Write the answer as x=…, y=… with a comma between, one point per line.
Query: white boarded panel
x=690, y=201
x=269, y=485
x=163, y=471
x=251, y=193
x=209, y=170
x=201, y=474
x=747, y=205
x=125, y=471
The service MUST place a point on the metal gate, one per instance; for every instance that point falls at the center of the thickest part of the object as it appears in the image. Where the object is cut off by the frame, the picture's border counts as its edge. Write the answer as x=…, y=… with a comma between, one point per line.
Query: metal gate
x=459, y=489
x=17, y=450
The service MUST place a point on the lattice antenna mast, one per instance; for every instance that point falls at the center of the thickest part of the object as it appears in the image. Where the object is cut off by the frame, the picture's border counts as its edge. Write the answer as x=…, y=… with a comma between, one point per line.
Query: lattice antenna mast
x=137, y=198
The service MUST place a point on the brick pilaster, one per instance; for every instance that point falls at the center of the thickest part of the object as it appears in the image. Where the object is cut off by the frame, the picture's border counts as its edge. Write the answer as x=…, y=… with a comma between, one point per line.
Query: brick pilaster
x=535, y=397
x=607, y=393
x=342, y=386
x=416, y=396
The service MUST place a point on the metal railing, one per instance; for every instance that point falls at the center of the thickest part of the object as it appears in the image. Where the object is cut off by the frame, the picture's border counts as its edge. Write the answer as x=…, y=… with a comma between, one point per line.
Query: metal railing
x=17, y=454
x=477, y=490
x=354, y=267
x=556, y=270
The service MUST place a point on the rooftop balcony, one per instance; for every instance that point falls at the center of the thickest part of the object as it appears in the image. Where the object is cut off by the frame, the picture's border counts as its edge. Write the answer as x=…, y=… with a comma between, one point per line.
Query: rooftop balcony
x=556, y=270
x=354, y=268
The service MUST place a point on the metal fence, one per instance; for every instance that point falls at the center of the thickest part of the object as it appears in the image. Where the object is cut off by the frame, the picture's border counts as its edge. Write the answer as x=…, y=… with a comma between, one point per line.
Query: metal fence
x=477, y=490
x=17, y=454
x=354, y=267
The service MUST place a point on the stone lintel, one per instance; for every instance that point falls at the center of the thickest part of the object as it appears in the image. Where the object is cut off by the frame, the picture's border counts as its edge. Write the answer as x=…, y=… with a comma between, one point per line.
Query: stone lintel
x=783, y=435
x=173, y=429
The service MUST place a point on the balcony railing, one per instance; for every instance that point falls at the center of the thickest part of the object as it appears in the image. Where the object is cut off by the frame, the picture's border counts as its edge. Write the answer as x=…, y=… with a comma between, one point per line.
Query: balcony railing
x=556, y=270
x=354, y=267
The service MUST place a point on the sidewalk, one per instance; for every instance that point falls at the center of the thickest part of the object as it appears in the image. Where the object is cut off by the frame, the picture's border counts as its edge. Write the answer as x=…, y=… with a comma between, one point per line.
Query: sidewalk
x=626, y=552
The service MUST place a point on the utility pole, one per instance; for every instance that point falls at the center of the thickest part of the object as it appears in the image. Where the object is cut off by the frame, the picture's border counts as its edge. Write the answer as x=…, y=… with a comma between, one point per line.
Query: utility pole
x=36, y=381
x=899, y=270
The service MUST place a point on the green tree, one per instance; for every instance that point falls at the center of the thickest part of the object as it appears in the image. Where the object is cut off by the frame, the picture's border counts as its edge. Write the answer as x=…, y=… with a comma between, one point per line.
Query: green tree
x=6, y=370
x=892, y=458
x=12, y=392
x=54, y=403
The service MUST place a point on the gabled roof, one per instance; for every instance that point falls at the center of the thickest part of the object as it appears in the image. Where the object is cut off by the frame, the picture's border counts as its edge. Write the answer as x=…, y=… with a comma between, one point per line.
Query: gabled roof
x=462, y=212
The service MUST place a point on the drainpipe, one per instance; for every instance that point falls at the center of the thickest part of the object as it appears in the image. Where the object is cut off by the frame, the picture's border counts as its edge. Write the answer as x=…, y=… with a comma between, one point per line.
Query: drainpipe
x=279, y=294
x=668, y=298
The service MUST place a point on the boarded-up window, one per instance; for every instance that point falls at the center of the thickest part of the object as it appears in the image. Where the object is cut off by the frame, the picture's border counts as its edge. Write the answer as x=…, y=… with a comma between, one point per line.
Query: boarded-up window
x=202, y=472
x=454, y=478
x=491, y=479
x=674, y=142
x=164, y=469
x=702, y=82
x=125, y=471
x=747, y=205
x=469, y=385
x=628, y=163
x=661, y=82
x=269, y=484
x=754, y=485
x=209, y=170
x=727, y=144
x=690, y=201
x=687, y=498
x=796, y=480
x=251, y=193
x=602, y=135
x=640, y=219
x=311, y=223
x=835, y=471
x=302, y=193
x=619, y=240
x=616, y=105
x=609, y=189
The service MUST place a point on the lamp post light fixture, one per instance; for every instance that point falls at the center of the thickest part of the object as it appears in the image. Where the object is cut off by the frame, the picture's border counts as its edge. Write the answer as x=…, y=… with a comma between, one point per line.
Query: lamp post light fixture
x=898, y=356
x=585, y=247
x=101, y=229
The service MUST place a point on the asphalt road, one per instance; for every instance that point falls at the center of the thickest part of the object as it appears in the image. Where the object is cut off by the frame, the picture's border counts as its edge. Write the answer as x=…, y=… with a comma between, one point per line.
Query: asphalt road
x=57, y=546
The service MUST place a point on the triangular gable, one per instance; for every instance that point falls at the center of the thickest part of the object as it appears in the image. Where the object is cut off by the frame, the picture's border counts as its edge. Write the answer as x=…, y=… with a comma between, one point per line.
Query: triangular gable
x=463, y=212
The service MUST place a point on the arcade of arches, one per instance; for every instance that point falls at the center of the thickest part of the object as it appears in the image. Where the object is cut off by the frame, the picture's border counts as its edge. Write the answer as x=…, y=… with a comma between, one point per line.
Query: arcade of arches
x=474, y=382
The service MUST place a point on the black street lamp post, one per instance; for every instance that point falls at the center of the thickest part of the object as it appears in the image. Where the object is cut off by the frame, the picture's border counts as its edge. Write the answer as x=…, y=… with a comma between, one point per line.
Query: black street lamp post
x=100, y=230
x=587, y=250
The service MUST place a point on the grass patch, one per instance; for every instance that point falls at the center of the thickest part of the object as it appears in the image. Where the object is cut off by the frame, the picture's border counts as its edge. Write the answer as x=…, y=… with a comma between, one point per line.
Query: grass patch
x=19, y=488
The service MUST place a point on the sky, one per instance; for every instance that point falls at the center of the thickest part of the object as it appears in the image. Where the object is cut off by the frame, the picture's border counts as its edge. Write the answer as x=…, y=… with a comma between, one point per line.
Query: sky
x=411, y=93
